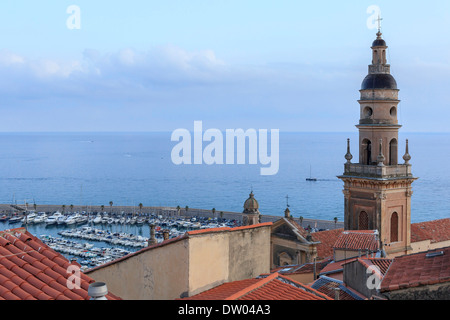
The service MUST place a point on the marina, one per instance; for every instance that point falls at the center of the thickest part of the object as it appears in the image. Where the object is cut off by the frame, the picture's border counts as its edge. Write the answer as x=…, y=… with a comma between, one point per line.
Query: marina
x=93, y=239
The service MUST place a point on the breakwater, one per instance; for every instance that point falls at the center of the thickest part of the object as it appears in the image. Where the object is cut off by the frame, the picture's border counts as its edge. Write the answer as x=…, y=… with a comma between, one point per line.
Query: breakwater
x=17, y=209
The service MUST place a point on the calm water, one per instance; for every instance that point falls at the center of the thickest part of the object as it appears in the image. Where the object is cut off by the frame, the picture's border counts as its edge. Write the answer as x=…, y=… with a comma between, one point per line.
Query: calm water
x=95, y=168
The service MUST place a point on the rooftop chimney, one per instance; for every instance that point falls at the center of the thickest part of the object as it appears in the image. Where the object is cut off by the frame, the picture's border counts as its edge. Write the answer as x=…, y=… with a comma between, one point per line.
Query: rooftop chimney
x=98, y=291
x=152, y=239
x=336, y=293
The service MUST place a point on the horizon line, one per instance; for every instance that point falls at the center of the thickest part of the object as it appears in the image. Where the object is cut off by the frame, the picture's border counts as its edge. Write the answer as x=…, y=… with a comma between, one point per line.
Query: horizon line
x=169, y=131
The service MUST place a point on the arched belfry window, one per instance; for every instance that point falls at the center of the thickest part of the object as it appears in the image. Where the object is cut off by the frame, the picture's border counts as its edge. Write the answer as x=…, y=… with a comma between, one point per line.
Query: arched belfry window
x=367, y=152
x=393, y=152
x=394, y=227
x=363, y=221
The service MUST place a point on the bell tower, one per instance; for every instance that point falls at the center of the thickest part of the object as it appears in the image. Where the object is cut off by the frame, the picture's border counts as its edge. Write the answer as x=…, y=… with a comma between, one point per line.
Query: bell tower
x=377, y=188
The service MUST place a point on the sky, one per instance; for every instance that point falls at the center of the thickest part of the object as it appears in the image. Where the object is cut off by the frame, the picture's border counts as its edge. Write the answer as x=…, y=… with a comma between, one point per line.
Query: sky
x=161, y=65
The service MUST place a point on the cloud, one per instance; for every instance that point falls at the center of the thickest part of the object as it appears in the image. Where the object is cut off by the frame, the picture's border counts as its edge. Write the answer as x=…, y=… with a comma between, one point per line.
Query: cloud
x=166, y=86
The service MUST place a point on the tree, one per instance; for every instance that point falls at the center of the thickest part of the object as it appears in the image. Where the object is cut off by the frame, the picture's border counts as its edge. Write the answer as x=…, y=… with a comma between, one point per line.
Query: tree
x=178, y=210
x=213, y=211
x=71, y=208
x=63, y=208
x=301, y=220
x=140, y=208
x=186, y=209
x=335, y=221
x=221, y=216
x=103, y=208
x=110, y=206
x=34, y=206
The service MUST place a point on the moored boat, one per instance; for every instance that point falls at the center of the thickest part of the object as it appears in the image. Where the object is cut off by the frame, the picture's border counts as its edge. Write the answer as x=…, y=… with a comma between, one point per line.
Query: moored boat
x=53, y=218
x=15, y=219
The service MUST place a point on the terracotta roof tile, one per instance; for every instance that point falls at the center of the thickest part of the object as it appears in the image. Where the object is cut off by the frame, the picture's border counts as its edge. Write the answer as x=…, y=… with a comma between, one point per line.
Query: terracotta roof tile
x=31, y=270
x=357, y=240
x=417, y=269
x=266, y=287
x=435, y=231
x=336, y=266
x=6, y=294
x=327, y=239
x=382, y=264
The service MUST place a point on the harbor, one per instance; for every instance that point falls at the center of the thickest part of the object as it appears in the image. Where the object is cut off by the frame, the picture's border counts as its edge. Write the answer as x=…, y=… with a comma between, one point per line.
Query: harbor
x=93, y=238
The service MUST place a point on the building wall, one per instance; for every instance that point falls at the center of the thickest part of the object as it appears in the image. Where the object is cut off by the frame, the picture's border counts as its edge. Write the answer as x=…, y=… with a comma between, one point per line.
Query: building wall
x=209, y=261
x=249, y=253
x=425, y=245
x=215, y=258
x=357, y=278
x=160, y=273
x=400, y=202
x=190, y=265
x=341, y=254
x=305, y=278
x=283, y=255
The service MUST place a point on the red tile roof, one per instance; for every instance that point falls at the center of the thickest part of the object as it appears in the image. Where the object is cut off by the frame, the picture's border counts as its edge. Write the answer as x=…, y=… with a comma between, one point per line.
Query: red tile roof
x=327, y=239
x=302, y=268
x=30, y=270
x=266, y=287
x=336, y=266
x=435, y=231
x=382, y=264
x=417, y=270
x=357, y=240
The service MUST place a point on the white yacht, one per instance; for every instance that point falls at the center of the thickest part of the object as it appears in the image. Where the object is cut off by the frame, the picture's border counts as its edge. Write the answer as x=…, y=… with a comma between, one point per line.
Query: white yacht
x=40, y=218
x=70, y=220
x=29, y=218
x=98, y=219
x=81, y=219
x=53, y=218
x=61, y=219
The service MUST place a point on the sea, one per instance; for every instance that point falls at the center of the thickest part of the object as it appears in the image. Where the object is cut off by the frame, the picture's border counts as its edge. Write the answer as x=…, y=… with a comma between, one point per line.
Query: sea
x=132, y=168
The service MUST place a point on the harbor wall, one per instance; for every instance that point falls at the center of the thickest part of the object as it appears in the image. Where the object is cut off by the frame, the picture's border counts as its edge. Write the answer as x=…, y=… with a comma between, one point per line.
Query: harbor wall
x=171, y=212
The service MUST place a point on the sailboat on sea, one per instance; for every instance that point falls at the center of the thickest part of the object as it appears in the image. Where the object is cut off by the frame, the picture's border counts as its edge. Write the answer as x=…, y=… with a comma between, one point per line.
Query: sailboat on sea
x=310, y=176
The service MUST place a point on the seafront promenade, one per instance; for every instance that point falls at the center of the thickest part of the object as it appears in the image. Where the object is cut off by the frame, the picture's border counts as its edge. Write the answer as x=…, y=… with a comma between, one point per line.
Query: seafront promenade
x=8, y=209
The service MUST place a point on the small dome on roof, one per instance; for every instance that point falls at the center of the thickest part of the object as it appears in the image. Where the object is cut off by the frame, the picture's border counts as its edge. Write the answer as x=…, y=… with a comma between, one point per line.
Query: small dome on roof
x=379, y=81
x=379, y=43
x=251, y=205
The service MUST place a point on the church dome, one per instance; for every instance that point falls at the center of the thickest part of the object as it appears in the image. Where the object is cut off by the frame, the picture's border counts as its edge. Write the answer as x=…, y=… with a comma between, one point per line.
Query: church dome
x=379, y=81
x=379, y=43
x=251, y=205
